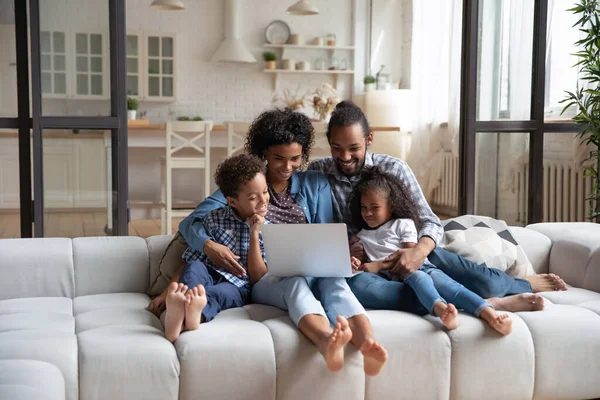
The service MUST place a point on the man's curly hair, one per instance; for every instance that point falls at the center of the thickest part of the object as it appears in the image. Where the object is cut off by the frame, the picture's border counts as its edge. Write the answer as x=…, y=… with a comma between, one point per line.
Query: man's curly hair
x=236, y=171
x=280, y=126
x=387, y=184
x=347, y=114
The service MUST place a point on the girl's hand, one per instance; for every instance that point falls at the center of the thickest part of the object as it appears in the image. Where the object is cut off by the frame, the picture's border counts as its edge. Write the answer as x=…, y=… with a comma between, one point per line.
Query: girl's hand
x=355, y=264
x=357, y=249
x=255, y=222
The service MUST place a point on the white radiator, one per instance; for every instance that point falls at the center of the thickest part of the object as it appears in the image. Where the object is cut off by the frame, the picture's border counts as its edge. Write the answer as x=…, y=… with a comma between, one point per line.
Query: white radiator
x=445, y=197
x=565, y=190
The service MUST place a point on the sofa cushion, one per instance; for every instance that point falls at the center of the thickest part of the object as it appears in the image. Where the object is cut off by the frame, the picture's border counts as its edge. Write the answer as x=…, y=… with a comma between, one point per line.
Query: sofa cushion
x=39, y=304
x=110, y=265
x=486, y=241
x=572, y=296
x=165, y=259
x=37, y=320
x=567, y=345
x=593, y=305
x=416, y=348
x=128, y=362
x=30, y=379
x=54, y=347
x=237, y=361
x=83, y=304
x=36, y=268
x=483, y=361
x=116, y=316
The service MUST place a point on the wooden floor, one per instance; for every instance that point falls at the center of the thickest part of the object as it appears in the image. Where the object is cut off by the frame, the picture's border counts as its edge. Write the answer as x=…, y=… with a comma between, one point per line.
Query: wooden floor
x=80, y=224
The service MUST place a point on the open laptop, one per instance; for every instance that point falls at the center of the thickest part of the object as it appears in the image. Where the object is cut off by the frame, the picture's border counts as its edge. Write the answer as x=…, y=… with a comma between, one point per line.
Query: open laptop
x=317, y=250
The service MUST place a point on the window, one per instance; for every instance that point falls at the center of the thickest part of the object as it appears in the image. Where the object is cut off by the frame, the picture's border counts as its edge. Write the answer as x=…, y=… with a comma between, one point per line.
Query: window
x=53, y=62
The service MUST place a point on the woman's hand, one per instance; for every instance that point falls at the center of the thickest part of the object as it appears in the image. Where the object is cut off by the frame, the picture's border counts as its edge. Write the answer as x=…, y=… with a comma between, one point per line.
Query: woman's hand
x=224, y=258
x=406, y=261
x=255, y=222
x=158, y=304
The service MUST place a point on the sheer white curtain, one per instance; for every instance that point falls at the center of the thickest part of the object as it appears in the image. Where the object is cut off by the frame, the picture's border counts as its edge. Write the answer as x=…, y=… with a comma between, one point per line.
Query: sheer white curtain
x=435, y=83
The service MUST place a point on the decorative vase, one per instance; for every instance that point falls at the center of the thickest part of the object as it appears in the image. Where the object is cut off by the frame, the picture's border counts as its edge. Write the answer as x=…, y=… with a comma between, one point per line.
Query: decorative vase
x=271, y=65
x=131, y=114
x=369, y=87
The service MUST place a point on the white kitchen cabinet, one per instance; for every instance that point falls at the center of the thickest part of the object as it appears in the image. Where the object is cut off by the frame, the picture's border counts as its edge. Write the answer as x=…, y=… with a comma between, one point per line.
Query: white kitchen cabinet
x=74, y=173
x=151, y=66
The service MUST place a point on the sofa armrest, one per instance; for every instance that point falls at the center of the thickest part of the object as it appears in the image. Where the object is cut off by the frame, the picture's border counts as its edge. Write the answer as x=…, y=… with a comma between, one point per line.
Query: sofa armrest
x=575, y=254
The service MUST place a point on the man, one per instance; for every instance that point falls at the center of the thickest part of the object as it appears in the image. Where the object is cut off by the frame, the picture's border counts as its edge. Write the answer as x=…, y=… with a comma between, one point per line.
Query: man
x=349, y=137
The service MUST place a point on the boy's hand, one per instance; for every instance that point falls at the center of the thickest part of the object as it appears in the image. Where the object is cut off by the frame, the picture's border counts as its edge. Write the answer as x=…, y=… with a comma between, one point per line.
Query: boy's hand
x=355, y=264
x=255, y=222
x=158, y=304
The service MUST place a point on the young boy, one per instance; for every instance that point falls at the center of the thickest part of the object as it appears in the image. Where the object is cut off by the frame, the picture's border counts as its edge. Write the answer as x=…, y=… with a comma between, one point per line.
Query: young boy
x=204, y=289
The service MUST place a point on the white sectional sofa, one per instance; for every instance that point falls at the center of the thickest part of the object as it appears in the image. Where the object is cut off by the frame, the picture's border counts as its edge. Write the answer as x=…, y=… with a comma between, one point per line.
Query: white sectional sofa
x=73, y=326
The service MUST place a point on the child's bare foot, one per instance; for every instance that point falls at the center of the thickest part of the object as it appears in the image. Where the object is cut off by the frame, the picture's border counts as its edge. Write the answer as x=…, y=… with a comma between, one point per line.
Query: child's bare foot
x=195, y=303
x=500, y=322
x=519, y=302
x=334, y=354
x=175, y=310
x=546, y=283
x=447, y=313
x=374, y=355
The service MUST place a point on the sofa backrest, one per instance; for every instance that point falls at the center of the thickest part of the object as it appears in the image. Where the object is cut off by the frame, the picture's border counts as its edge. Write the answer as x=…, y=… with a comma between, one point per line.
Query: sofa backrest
x=59, y=267
x=535, y=245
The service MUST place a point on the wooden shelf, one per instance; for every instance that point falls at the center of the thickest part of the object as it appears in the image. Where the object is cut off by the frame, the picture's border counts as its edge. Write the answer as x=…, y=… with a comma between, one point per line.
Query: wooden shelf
x=308, y=46
x=277, y=72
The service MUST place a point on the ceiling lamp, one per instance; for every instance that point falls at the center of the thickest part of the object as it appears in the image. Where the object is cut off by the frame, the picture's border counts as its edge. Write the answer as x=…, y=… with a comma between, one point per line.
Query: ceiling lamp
x=302, y=7
x=167, y=5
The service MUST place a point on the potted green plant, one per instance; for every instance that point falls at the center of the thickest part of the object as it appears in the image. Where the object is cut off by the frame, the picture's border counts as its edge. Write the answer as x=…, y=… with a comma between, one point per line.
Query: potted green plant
x=270, y=60
x=369, y=82
x=587, y=100
x=132, y=107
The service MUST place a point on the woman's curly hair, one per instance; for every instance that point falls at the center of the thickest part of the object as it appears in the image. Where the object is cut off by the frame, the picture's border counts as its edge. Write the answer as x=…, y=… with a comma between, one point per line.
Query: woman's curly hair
x=280, y=126
x=236, y=171
x=387, y=184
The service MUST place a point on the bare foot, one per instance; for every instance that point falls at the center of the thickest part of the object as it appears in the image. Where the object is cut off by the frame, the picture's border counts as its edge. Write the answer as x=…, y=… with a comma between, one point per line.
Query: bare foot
x=546, y=283
x=447, y=313
x=175, y=310
x=374, y=356
x=334, y=353
x=195, y=303
x=500, y=322
x=518, y=302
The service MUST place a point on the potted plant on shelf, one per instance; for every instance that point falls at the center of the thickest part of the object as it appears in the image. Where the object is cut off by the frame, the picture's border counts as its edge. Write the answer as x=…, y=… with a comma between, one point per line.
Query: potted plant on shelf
x=132, y=106
x=587, y=100
x=270, y=60
x=369, y=82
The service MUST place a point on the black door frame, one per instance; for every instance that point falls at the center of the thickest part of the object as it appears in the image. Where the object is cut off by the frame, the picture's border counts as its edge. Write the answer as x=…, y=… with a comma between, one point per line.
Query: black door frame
x=536, y=126
x=33, y=211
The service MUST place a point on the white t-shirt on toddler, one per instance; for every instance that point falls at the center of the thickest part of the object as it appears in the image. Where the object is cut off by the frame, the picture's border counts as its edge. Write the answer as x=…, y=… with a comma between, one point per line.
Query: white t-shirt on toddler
x=383, y=241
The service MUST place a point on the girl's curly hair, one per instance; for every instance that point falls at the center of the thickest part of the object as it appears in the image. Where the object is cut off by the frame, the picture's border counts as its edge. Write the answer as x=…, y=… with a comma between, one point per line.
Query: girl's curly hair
x=387, y=184
x=280, y=126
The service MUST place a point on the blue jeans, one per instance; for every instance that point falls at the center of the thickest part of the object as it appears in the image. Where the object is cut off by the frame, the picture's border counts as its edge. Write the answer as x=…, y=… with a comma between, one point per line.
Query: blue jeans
x=432, y=286
x=220, y=293
x=379, y=293
x=302, y=296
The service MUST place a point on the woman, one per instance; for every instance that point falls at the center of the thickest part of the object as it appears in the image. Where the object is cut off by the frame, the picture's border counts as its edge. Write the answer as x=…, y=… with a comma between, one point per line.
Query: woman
x=283, y=139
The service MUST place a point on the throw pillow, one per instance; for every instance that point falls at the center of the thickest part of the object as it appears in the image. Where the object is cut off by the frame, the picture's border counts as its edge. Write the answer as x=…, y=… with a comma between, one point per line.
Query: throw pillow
x=486, y=241
x=168, y=265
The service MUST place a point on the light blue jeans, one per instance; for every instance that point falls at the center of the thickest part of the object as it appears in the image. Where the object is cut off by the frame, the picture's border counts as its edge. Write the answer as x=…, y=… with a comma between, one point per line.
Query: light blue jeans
x=431, y=286
x=295, y=294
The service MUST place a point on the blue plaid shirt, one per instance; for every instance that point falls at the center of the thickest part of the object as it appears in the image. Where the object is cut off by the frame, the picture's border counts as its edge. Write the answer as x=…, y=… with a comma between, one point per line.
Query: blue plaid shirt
x=226, y=228
x=428, y=223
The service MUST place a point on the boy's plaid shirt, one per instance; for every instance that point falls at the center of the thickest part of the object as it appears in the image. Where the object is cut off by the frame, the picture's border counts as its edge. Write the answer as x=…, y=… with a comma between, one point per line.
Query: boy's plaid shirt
x=428, y=223
x=226, y=228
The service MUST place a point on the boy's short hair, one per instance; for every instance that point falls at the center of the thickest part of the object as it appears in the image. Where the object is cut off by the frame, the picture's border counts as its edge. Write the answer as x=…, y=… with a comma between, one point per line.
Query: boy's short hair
x=236, y=171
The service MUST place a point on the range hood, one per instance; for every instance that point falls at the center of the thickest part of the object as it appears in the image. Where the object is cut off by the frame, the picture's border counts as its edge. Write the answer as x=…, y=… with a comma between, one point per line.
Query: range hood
x=232, y=49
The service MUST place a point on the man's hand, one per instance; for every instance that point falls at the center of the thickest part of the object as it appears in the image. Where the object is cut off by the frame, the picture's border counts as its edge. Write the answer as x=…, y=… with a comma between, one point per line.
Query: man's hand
x=158, y=304
x=407, y=261
x=255, y=222
x=223, y=257
x=357, y=249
